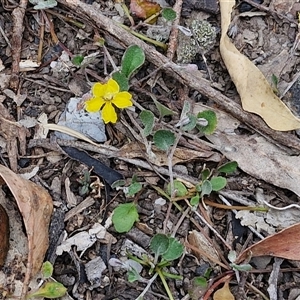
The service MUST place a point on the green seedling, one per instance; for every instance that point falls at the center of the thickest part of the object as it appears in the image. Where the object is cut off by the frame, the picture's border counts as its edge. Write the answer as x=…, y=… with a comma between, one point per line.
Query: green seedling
x=237, y=267
x=85, y=182
x=166, y=249
x=50, y=289
x=124, y=217
x=132, y=60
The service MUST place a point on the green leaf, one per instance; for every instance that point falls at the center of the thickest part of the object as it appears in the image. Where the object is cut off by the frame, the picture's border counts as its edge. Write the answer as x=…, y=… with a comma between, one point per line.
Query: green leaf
x=147, y=118
x=163, y=139
x=179, y=187
x=191, y=125
x=77, y=60
x=47, y=269
x=134, y=188
x=228, y=168
x=124, y=216
x=195, y=200
x=162, y=109
x=211, y=117
x=174, y=250
x=206, y=188
x=122, y=80
x=198, y=187
x=169, y=14
x=205, y=173
x=118, y=183
x=201, y=282
x=133, y=275
x=242, y=268
x=159, y=244
x=218, y=183
x=50, y=290
x=232, y=256
x=133, y=58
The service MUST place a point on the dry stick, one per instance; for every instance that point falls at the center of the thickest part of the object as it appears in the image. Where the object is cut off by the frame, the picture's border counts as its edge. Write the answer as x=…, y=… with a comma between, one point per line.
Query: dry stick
x=174, y=33
x=40, y=50
x=193, y=80
x=16, y=43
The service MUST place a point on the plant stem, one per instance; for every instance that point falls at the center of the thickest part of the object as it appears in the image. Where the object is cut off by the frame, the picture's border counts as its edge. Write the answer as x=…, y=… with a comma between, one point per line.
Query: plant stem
x=162, y=277
x=147, y=287
x=145, y=38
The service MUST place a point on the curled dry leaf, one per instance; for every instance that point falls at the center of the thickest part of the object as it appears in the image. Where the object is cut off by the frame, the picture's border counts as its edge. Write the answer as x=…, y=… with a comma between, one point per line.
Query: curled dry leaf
x=224, y=293
x=285, y=244
x=256, y=94
x=35, y=205
x=4, y=235
x=143, y=8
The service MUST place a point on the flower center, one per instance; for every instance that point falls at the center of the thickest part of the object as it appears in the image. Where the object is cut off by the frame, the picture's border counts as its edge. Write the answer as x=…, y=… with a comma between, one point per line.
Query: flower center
x=108, y=97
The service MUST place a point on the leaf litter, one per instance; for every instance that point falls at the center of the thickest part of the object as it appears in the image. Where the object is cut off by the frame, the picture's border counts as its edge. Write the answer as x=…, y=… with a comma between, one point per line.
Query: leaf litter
x=125, y=158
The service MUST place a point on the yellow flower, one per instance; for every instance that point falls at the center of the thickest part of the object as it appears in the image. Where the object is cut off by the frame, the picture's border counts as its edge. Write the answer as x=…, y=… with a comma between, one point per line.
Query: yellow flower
x=105, y=97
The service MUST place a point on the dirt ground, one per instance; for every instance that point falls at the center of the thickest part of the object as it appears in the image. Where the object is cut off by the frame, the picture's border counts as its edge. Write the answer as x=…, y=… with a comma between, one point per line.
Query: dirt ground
x=69, y=169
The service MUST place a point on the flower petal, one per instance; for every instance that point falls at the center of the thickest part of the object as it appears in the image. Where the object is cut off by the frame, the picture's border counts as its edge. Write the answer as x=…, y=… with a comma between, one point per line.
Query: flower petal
x=94, y=104
x=112, y=87
x=122, y=100
x=99, y=89
x=108, y=113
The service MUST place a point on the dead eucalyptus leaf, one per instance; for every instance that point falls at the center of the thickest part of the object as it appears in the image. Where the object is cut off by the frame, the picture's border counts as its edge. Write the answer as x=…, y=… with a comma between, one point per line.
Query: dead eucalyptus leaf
x=283, y=244
x=4, y=235
x=223, y=293
x=35, y=205
x=256, y=94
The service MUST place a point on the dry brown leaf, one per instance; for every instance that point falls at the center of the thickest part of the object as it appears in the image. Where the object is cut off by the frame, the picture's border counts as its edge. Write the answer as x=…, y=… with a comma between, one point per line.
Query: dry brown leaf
x=143, y=8
x=35, y=205
x=4, y=235
x=134, y=150
x=223, y=293
x=205, y=248
x=285, y=244
x=256, y=94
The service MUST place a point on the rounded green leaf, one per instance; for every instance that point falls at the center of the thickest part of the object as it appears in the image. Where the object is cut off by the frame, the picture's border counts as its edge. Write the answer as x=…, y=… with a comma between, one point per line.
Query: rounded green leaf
x=179, y=187
x=195, y=200
x=169, y=14
x=77, y=60
x=218, y=183
x=122, y=81
x=134, y=188
x=192, y=123
x=206, y=188
x=124, y=216
x=200, y=281
x=147, y=118
x=228, y=168
x=163, y=139
x=211, y=117
x=47, y=269
x=133, y=58
x=159, y=244
x=174, y=250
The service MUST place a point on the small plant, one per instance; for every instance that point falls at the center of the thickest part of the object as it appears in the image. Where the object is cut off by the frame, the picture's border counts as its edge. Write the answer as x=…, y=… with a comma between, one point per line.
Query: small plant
x=237, y=267
x=166, y=249
x=211, y=181
x=126, y=214
x=113, y=94
x=50, y=289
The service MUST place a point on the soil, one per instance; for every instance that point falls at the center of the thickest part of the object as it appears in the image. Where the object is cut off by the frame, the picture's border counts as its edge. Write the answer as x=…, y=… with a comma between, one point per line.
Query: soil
x=78, y=175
